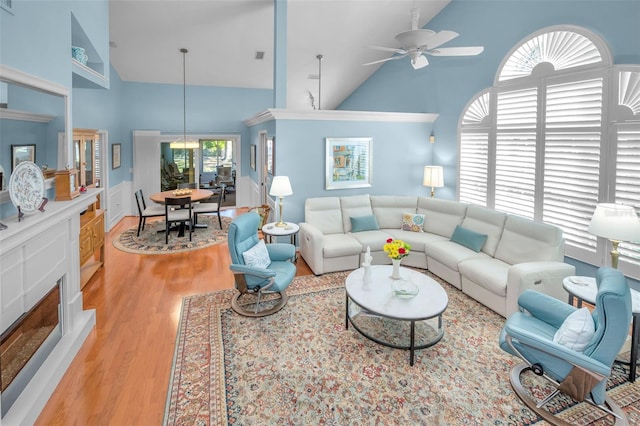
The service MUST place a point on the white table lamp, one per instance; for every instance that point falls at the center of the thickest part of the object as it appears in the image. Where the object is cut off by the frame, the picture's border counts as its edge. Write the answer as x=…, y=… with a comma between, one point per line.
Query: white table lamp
x=433, y=177
x=615, y=222
x=280, y=187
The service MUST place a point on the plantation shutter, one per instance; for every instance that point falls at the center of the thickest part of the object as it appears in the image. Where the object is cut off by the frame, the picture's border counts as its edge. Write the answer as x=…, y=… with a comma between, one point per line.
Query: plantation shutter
x=628, y=187
x=573, y=134
x=516, y=124
x=474, y=153
x=97, y=166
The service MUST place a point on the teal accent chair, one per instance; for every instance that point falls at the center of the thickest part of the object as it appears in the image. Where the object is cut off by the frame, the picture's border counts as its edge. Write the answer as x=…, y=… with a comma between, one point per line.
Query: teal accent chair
x=528, y=334
x=254, y=282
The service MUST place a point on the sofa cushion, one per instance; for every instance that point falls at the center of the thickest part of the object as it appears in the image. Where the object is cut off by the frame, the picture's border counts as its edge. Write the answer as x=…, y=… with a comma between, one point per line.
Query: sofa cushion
x=364, y=223
x=324, y=213
x=468, y=238
x=412, y=222
x=487, y=272
x=416, y=240
x=389, y=209
x=524, y=240
x=338, y=245
x=485, y=221
x=354, y=206
x=373, y=239
x=450, y=253
x=441, y=216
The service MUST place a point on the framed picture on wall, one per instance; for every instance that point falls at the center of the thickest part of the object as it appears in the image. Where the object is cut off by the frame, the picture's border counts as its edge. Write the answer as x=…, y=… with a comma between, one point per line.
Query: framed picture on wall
x=20, y=153
x=348, y=163
x=115, y=155
x=252, y=157
x=270, y=156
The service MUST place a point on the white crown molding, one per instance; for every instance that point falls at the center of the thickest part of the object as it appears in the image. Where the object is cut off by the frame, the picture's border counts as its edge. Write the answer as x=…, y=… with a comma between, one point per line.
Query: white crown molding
x=11, y=75
x=340, y=115
x=12, y=114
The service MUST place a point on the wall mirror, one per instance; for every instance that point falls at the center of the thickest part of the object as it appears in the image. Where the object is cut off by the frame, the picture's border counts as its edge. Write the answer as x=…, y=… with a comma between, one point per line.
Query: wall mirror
x=33, y=111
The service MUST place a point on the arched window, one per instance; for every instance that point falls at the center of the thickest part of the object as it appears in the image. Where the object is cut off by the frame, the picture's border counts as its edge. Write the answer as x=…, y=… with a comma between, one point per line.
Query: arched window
x=557, y=133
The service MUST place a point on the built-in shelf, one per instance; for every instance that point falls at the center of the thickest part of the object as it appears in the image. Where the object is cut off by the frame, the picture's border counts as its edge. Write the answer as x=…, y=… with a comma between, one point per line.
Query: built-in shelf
x=85, y=77
x=12, y=114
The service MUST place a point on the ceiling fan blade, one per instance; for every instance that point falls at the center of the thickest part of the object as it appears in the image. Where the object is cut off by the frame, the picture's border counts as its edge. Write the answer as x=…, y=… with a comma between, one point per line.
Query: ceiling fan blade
x=389, y=49
x=457, y=51
x=393, y=58
x=439, y=38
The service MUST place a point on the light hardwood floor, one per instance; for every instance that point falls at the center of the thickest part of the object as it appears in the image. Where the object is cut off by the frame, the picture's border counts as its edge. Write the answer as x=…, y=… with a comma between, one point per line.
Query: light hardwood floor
x=121, y=374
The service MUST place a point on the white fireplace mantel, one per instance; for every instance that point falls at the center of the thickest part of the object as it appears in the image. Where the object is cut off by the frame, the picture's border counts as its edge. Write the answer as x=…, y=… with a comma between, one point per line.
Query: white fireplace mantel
x=34, y=254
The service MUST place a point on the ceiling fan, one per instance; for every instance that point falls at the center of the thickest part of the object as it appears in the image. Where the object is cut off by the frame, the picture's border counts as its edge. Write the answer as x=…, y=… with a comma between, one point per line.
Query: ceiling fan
x=416, y=43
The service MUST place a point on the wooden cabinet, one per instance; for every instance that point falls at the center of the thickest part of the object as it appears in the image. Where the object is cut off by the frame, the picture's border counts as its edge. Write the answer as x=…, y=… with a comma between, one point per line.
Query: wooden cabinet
x=85, y=159
x=91, y=243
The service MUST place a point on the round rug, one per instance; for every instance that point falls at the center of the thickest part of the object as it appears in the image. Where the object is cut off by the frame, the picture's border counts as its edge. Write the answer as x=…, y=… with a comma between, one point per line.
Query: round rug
x=151, y=239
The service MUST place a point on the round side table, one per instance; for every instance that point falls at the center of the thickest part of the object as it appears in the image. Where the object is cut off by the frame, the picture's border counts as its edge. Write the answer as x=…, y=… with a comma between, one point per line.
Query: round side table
x=585, y=289
x=270, y=230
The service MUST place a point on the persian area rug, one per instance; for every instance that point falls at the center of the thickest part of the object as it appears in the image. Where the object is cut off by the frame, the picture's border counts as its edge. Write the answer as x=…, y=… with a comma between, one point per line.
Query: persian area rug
x=151, y=239
x=300, y=366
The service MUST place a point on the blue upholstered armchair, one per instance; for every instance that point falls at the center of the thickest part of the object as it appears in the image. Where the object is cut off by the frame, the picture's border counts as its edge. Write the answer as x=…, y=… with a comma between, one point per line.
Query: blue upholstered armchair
x=258, y=268
x=581, y=374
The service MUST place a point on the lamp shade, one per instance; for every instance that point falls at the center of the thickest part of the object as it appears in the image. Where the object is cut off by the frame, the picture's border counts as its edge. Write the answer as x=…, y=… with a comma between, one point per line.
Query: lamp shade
x=280, y=186
x=615, y=222
x=433, y=176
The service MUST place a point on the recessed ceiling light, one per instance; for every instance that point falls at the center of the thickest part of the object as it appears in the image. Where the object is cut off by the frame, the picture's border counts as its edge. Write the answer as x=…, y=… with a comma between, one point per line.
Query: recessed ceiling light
x=259, y=55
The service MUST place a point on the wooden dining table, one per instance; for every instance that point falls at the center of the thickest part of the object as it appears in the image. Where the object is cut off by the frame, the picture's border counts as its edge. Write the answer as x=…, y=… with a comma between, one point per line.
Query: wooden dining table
x=196, y=195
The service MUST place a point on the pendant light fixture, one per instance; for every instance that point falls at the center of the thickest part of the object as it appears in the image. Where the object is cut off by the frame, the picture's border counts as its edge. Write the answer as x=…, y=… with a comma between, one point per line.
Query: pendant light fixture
x=183, y=142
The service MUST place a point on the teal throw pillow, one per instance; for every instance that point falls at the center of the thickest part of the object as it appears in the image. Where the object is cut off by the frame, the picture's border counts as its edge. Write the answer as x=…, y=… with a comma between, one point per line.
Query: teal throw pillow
x=364, y=223
x=468, y=238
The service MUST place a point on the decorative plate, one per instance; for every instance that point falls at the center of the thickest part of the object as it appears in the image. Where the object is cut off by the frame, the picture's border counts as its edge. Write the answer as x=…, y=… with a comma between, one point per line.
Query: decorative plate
x=26, y=187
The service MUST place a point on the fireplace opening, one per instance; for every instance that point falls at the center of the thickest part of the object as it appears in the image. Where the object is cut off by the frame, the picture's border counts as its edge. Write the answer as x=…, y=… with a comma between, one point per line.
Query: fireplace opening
x=25, y=345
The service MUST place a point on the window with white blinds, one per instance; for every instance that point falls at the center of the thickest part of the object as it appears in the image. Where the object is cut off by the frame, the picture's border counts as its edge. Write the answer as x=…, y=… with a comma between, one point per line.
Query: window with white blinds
x=572, y=143
x=628, y=184
x=516, y=122
x=555, y=146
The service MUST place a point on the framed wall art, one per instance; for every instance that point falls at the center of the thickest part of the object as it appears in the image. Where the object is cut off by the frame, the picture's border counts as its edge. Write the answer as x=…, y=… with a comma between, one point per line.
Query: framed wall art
x=252, y=157
x=20, y=153
x=115, y=156
x=270, y=156
x=348, y=163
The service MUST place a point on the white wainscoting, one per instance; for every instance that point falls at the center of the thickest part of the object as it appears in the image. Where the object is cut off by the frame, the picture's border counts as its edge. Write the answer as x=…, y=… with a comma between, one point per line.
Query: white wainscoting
x=121, y=203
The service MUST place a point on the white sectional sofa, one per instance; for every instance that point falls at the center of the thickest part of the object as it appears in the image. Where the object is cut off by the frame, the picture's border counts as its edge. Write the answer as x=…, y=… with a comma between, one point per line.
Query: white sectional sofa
x=517, y=253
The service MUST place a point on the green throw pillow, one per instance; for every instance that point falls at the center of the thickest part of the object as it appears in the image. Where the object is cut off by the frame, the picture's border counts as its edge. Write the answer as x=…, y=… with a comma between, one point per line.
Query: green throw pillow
x=468, y=238
x=364, y=223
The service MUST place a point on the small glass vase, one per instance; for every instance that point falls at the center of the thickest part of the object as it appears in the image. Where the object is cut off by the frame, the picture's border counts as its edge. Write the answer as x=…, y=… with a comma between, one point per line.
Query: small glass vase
x=395, y=274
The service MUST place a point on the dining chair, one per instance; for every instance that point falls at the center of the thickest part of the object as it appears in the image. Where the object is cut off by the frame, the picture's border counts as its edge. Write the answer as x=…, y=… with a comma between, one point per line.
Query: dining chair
x=209, y=208
x=144, y=212
x=177, y=210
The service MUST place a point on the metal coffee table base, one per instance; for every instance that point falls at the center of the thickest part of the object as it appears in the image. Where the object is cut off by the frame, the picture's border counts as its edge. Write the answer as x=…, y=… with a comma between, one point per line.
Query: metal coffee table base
x=433, y=324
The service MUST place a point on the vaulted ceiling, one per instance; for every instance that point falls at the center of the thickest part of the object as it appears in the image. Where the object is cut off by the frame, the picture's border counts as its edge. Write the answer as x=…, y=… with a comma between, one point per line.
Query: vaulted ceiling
x=223, y=37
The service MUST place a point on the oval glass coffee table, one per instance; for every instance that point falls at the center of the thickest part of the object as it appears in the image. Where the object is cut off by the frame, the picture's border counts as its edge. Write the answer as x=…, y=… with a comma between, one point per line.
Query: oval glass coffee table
x=376, y=313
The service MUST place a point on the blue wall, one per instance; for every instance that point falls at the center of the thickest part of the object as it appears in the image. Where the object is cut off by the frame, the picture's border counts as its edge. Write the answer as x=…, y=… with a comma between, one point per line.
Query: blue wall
x=399, y=153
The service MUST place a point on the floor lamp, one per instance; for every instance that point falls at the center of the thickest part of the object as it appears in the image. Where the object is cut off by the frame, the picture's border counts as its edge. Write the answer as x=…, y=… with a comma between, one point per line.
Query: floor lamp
x=433, y=177
x=617, y=223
